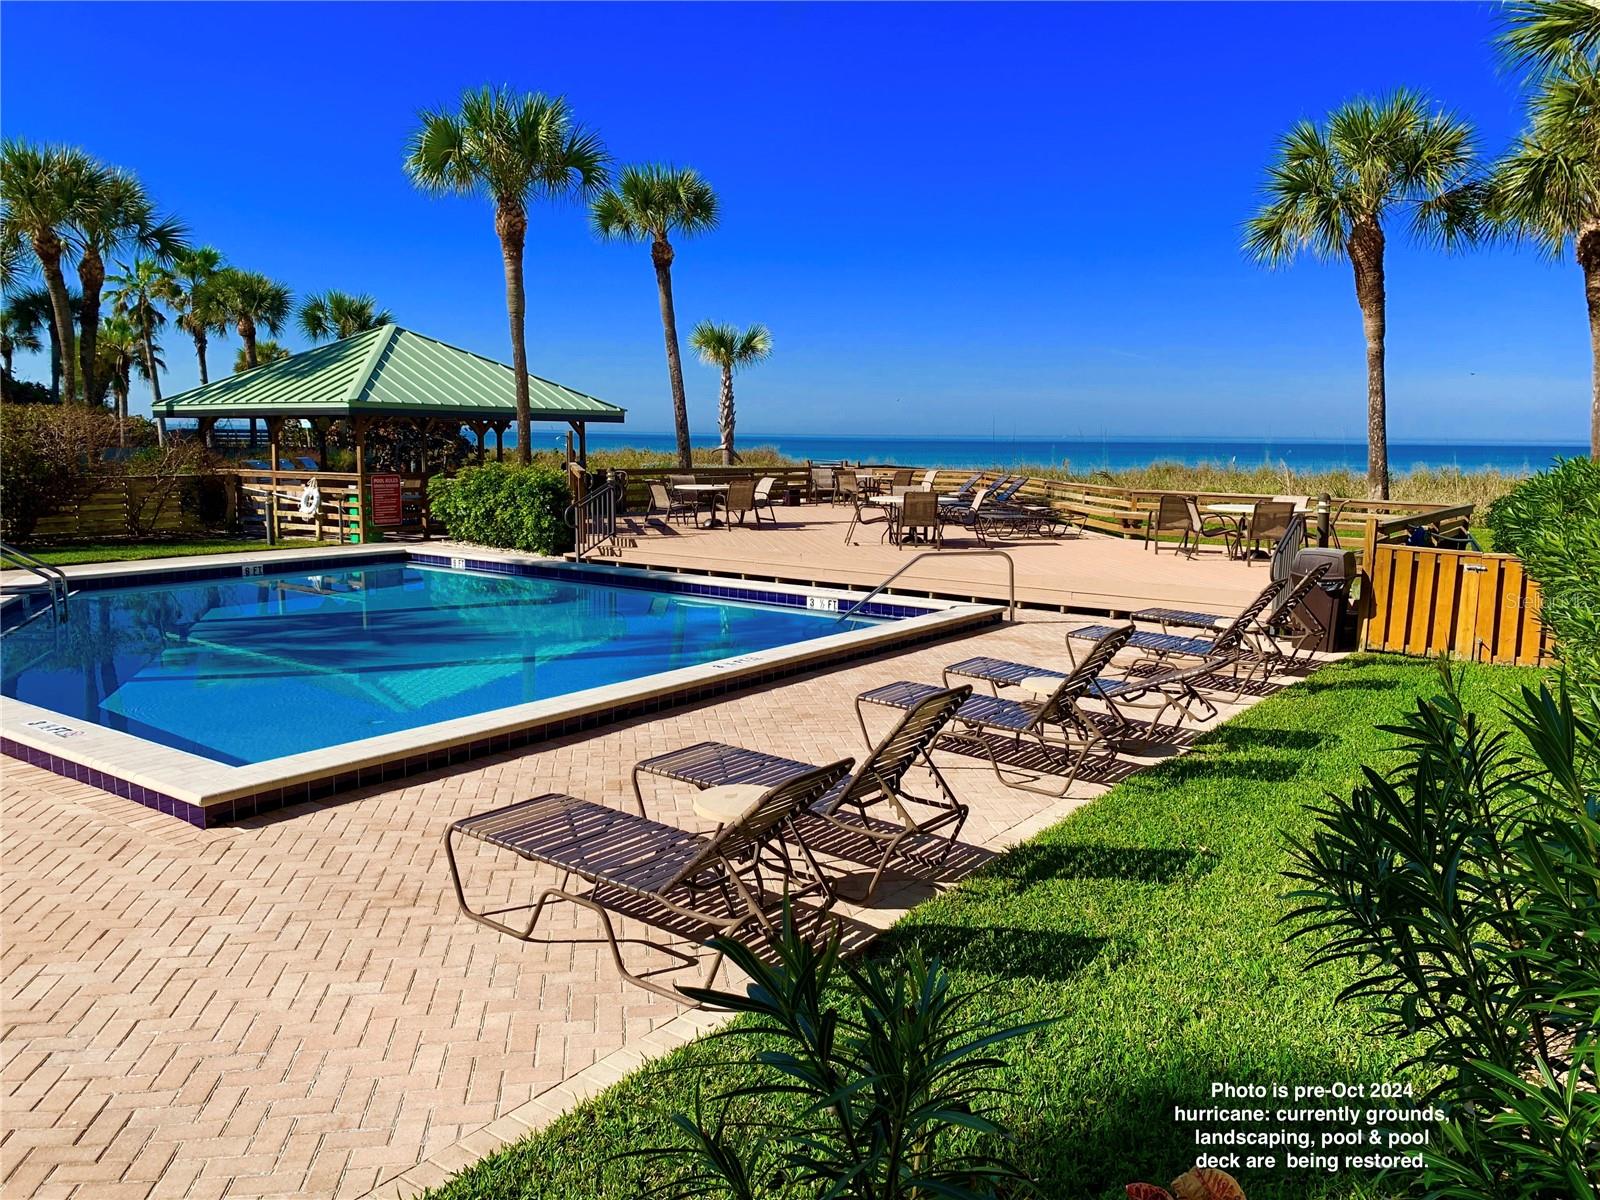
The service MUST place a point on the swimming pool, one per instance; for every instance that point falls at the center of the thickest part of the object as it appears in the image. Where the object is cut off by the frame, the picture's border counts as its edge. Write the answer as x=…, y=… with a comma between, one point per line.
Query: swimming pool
x=244, y=670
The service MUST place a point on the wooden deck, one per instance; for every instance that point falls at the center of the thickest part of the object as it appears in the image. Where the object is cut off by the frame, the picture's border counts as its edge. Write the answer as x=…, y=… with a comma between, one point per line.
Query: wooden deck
x=1091, y=573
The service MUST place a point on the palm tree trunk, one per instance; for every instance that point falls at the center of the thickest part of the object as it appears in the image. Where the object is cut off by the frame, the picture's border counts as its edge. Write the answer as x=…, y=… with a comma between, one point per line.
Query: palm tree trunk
x=48, y=251
x=1589, y=260
x=91, y=278
x=200, y=353
x=1366, y=255
x=247, y=335
x=155, y=381
x=725, y=415
x=511, y=224
x=661, y=256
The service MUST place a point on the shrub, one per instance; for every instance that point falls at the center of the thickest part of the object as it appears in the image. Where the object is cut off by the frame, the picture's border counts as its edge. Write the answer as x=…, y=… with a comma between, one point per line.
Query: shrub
x=515, y=508
x=1466, y=888
x=36, y=474
x=1552, y=522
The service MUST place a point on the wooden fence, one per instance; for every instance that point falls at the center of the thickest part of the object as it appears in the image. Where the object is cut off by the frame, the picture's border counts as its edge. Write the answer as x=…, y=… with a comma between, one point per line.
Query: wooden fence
x=123, y=506
x=1462, y=603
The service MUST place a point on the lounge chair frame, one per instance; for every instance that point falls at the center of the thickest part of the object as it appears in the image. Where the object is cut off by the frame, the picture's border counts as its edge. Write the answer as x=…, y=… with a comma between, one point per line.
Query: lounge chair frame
x=641, y=868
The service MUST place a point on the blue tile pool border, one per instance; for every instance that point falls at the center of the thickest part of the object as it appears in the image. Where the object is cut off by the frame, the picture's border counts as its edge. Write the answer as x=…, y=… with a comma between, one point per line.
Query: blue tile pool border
x=272, y=798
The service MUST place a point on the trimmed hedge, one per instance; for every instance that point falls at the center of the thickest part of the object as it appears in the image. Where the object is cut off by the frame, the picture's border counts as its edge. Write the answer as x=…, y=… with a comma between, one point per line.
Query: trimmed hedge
x=497, y=504
x=1552, y=522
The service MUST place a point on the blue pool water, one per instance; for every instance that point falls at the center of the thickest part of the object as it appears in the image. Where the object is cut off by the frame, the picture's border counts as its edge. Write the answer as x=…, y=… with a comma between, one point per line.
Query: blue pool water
x=244, y=670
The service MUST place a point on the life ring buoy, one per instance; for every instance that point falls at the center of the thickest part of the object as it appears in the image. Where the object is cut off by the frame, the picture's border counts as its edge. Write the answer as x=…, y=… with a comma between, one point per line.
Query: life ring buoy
x=310, y=499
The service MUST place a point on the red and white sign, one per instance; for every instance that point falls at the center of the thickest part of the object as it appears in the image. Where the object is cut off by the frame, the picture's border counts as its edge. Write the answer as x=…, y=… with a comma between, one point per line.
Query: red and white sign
x=386, y=508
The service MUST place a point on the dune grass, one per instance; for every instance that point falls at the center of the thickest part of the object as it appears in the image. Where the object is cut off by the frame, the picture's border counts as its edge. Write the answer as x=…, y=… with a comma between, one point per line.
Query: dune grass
x=1146, y=926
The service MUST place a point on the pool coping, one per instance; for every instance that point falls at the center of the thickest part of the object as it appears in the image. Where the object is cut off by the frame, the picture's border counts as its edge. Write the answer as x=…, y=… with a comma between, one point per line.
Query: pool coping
x=207, y=793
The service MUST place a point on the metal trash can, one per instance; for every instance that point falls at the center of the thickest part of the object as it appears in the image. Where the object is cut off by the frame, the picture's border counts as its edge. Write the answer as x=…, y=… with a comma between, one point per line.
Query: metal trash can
x=1328, y=611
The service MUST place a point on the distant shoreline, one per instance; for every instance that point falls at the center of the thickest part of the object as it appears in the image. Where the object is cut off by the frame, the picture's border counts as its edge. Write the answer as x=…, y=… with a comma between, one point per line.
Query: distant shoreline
x=1081, y=455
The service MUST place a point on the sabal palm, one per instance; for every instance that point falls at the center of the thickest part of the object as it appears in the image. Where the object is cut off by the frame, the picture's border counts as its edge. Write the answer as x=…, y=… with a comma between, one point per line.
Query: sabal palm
x=36, y=308
x=44, y=191
x=1547, y=189
x=252, y=302
x=335, y=314
x=514, y=149
x=652, y=204
x=19, y=330
x=1334, y=190
x=120, y=217
x=135, y=294
x=731, y=349
x=122, y=351
x=194, y=296
x=267, y=351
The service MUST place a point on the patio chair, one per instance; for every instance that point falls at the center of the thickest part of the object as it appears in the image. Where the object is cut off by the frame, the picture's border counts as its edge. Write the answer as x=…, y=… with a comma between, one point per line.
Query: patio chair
x=740, y=498
x=1056, y=722
x=917, y=515
x=1209, y=525
x=930, y=477
x=902, y=478
x=1171, y=516
x=1268, y=522
x=842, y=820
x=670, y=505
x=846, y=486
x=701, y=885
x=763, y=499
x=822, y=483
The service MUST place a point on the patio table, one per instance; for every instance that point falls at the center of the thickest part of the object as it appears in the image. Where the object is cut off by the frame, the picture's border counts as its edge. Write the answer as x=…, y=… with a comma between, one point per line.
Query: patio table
x=1244, y=510
x=709, y=490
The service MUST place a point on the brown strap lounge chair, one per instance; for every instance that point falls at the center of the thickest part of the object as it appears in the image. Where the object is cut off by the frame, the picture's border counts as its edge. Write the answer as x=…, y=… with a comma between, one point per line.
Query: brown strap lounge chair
x=842, y=821
x=687, y=884
x=1056, y=722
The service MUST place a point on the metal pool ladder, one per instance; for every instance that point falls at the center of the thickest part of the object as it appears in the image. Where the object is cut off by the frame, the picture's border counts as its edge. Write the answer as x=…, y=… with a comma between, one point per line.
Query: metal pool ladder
x=55, y=579
x=1011, y=577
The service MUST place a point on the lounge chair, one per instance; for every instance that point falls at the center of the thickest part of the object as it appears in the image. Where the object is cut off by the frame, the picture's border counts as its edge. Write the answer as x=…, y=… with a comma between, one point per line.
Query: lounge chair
x=1174, y=687
x=959, y=496
x=1002, y=493
x=670, y=505
x=917, y=515
x=663, y=876
x=842, y=820
x=1240, y=640
x=1057, y=715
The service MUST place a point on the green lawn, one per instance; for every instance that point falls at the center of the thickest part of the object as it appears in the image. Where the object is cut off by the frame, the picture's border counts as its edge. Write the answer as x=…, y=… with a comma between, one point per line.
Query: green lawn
x=99, y=552
x=1146, y=925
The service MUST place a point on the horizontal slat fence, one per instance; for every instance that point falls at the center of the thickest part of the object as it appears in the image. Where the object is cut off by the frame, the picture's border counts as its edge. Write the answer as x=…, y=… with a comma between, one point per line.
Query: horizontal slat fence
x=119, y=506
x=1479, y=607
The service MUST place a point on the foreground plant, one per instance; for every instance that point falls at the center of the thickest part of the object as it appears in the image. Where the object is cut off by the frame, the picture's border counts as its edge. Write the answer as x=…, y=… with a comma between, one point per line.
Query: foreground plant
x=1465, y=889
x=1202, y=1183
x=882, y=1095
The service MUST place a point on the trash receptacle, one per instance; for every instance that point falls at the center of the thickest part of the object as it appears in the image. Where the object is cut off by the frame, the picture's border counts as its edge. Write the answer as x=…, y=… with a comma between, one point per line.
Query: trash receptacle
x=1328, y=611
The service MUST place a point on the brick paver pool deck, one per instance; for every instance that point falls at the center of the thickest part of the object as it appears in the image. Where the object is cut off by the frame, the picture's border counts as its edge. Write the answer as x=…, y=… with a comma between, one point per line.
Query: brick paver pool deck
x=294, y=1006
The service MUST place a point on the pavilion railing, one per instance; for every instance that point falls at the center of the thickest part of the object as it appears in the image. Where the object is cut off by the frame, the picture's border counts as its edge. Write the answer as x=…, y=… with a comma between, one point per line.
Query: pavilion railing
x=594, y=521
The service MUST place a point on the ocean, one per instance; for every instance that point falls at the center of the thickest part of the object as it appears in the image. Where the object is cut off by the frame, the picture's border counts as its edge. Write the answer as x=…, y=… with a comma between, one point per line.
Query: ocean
x=1112, y=454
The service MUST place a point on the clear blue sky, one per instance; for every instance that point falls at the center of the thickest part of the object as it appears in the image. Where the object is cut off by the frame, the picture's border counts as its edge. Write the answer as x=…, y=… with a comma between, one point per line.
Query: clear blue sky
x=953, y=218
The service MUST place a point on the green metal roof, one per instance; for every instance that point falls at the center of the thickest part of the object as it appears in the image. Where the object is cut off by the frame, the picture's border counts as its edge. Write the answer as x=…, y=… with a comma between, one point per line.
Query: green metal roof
x=387, y=370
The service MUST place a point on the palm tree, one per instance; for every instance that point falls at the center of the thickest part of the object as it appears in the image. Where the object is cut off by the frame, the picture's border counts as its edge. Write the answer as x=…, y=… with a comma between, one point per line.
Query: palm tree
x=1545, y=34
x=252, y=301
x=513, y=149
x=135, y=294
x=122, y=350
x=651, y=203
x=729, y=348
x=120, y=216
x=193, y=294
x=19, y=330
x=334, y=314
x=44, y=190
x=1547, y=189
x=34, y=306
x=1334, y=189
x=267, y=351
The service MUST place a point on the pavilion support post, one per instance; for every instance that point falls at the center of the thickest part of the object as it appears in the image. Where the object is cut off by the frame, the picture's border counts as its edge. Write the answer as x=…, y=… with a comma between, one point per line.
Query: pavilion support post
x=582, y=430
x=272, y=493
x=481, y=429
x=499, y=441
x=320, y=425
x=358, y=430
x=207, y=431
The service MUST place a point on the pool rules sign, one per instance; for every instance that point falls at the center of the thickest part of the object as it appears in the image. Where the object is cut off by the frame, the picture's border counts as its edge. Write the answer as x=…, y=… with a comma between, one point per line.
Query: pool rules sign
x=386, y=500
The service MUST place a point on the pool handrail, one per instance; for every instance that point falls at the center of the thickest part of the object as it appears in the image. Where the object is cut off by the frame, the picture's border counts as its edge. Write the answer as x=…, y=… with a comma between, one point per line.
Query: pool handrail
x=1011, y=573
